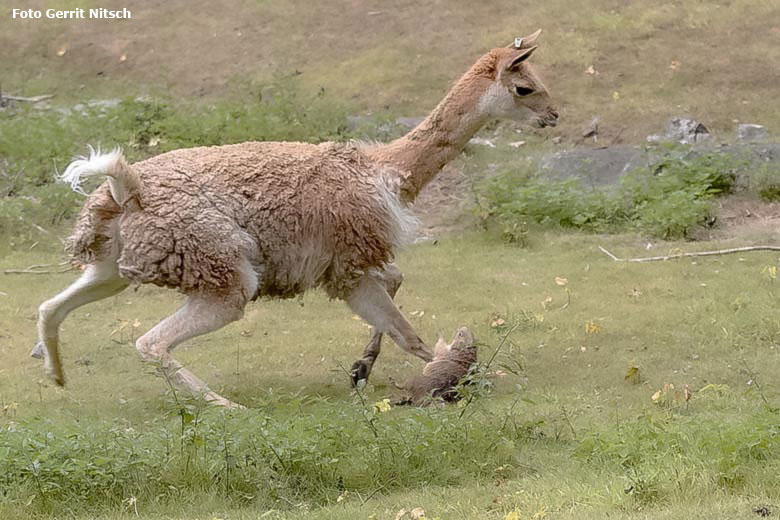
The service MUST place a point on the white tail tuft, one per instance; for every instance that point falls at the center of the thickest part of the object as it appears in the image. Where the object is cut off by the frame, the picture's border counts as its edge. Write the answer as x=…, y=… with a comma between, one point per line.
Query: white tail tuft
x=123, y=182
x=96, y=164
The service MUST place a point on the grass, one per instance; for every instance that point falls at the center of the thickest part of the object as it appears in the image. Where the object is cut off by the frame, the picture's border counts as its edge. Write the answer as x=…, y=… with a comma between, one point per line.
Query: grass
x=628, y=391
x=563, y=433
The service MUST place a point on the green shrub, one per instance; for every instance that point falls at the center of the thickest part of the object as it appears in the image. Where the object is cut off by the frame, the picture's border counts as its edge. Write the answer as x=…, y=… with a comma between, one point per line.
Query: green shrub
x=669, y=199
x=765, y=182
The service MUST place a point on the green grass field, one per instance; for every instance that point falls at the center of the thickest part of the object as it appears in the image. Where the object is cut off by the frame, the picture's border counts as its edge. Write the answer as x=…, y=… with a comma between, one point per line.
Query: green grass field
x=564, y=433
x=626, y=391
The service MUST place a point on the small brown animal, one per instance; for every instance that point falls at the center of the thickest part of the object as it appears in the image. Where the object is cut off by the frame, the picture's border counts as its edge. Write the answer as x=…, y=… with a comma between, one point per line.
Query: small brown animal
x=440, y=377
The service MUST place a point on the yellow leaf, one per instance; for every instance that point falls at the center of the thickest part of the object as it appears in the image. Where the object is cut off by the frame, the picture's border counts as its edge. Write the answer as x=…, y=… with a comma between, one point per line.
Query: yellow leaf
x=591, y=327
x=632, y=375
x=615, y=96
x=382, y=406
x=656, y=396
x=514, y=515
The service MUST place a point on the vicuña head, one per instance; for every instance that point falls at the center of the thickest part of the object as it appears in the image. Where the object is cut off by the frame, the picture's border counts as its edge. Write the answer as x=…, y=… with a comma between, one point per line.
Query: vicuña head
x=501, y=84
x=517, y=92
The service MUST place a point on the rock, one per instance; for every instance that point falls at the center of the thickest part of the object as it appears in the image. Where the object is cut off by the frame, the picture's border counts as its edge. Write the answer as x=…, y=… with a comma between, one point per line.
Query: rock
x=358, y=121
x=595, y=167
x=687, y=131
x=750, y=132
x=482, y=142
x=409, y=122
x=592, y=130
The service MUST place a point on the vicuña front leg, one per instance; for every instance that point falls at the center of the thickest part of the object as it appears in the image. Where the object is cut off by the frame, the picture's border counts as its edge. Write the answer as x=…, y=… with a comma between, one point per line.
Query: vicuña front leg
x=371, y=301
x=199, y=315
x=390, y=277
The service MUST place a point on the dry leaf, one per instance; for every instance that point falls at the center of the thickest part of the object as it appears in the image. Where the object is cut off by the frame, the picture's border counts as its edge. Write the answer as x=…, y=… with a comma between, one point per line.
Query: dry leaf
x=62, y=50
x=562, y=281
x=417, y=314
x=615, y=96
x=417, y=513
x=123, y=57
x=656, y=396
x=400, y=514
x=632, y=375
x=497, y=322
x=591, y=327
x=592, y=71
x=674, y=65
x=547, y=303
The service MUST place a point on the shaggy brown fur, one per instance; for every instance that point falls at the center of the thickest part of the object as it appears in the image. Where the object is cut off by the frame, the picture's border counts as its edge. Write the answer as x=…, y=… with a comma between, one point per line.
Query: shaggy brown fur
x=324, y=222
x=227, y=224
x=440, y=377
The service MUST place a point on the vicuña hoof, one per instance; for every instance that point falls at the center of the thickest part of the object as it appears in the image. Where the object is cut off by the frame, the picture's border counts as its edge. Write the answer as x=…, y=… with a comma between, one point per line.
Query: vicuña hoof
x=360, y=370
x=39, y=351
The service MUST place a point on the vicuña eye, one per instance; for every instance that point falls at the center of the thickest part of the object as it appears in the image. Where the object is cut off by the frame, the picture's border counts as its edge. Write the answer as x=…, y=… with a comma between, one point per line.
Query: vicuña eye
x=524, y=91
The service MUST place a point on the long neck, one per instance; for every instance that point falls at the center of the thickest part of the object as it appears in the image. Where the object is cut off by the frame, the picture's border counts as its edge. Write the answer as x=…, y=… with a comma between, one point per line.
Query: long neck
x=421, y=154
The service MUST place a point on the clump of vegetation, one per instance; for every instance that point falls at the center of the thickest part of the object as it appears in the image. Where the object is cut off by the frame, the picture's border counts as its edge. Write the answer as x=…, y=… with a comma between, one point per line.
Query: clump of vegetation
x=669, y=199
x=765, y=182
x=38, y=143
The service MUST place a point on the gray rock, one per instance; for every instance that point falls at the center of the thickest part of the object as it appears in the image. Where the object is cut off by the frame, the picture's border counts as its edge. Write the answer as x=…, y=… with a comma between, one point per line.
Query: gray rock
x=750, y=132
x=355, y=122
x=686, y=131
x=594, y=167
x=482, y=142
x=409, y=122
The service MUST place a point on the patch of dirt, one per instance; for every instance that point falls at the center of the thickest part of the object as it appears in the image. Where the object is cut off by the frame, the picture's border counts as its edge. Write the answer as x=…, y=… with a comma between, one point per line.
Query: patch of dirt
x=443, y=205
x=747, y=219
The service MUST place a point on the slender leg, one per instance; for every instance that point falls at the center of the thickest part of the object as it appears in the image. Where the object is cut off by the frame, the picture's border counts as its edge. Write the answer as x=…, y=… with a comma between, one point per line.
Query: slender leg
x=99, y=281
x=371, y=301
x=391, y=278
x=199, y=315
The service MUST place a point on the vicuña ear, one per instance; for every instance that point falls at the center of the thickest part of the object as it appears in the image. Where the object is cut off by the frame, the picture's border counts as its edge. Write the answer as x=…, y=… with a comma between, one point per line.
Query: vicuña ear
x=521, y=58
x=525, y=42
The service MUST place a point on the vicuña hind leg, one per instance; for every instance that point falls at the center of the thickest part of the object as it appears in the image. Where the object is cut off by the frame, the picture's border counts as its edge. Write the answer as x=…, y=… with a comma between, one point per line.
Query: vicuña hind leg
x=371, y=301
x=99, y=281
x=391, y=278
x=199, y=315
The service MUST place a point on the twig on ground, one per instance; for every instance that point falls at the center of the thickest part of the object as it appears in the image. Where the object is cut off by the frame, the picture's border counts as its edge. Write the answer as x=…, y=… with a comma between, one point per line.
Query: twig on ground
x=33, y=99
x=39, y=269
x=698, y=253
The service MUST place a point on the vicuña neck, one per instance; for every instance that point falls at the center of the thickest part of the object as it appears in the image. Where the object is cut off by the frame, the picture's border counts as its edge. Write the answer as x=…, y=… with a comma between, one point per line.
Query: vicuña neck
x=422, y=153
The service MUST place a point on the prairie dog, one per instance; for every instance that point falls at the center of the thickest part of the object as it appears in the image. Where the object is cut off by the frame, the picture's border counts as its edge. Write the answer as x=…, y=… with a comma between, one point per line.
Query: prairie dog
x=451, y=362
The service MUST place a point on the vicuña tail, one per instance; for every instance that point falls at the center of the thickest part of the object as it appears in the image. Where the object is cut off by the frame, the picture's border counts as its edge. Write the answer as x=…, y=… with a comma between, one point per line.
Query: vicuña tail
x=123, y=181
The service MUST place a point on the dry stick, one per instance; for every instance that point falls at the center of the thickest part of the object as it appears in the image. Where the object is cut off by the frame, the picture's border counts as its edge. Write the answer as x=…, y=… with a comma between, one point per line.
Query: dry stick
x=700, y=253
x=34, y=99
x=37, y=269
